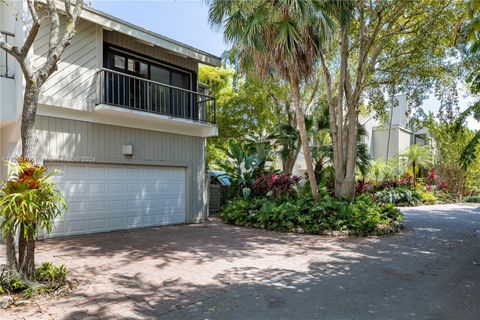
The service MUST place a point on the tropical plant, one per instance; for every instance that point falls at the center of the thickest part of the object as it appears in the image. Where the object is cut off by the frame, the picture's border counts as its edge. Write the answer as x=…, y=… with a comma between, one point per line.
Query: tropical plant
x=386, y=170
x=467, y=39
x=279, y=36
x=36, y=75
x=54, y=276
x=362, y=216
x=29, y=201
x=399, y=196
x=287, y=140
x=243, y=165
x=244, y=107
x=275, y=185
x=417, y=157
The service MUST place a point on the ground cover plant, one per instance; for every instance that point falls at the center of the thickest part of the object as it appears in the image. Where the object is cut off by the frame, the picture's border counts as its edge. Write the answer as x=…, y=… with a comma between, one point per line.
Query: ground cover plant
x=296, y=211
x=49, y=280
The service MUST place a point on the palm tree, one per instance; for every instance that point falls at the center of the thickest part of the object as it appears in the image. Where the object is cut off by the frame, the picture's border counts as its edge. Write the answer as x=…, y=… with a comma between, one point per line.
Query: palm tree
x=280, y=37
x=418, y=157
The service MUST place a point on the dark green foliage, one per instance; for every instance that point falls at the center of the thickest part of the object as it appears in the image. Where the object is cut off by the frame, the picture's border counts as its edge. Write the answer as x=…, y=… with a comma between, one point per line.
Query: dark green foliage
x=302, y=214
x=12, y=284
x=474, y=199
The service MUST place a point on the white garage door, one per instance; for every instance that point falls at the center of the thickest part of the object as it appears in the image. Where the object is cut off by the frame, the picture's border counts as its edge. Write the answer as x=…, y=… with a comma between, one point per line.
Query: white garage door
x=106, y=197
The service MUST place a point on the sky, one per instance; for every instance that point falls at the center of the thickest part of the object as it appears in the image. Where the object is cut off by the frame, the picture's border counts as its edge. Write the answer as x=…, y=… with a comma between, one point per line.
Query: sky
x=187, y=21
x=184, y=21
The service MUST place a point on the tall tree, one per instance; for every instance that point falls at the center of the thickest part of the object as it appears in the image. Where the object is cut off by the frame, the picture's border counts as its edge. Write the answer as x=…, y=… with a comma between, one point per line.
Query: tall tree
x=467, y=39
x=280, y=37
x=380, y=44
x=61, y=35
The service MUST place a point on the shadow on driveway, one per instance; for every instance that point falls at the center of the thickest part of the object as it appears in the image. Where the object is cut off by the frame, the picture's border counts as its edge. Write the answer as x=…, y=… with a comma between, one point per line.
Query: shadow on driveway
x=219, y=271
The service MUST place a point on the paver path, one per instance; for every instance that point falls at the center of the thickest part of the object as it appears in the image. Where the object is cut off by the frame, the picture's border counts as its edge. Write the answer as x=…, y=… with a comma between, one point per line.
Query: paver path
x=429, y=271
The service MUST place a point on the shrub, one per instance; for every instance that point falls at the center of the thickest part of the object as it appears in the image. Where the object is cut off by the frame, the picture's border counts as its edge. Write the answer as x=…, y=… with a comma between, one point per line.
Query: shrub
x=275, y=185
x=428, y=197
x=362, y=186
x=302, y=214
x=473, y=199
x=405, y=180
x=398, y=195
x=10, y=283
x=49, y=278
x=52, y=275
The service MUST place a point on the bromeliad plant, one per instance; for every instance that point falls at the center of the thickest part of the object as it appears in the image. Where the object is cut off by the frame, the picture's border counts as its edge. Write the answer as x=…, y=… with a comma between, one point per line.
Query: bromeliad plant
x=29, y=202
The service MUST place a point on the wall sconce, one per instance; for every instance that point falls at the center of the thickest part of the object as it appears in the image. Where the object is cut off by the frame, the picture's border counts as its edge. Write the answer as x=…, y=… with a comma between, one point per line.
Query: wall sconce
x=127, y=150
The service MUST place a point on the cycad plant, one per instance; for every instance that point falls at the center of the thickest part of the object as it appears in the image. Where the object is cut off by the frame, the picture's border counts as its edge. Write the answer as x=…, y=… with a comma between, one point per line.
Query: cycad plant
x=280, y=37
x=417, y=157
x=29, y=202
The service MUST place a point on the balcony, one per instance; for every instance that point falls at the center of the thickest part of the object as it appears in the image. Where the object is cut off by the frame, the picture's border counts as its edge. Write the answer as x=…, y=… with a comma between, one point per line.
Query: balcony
x=138, y=94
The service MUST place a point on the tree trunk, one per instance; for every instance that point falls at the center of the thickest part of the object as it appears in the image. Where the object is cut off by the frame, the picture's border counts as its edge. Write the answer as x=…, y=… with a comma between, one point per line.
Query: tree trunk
x=289, y=162
x=11, y=252
x=287, y=165
x=304, y=138
x=414, y=174
x=26, y=248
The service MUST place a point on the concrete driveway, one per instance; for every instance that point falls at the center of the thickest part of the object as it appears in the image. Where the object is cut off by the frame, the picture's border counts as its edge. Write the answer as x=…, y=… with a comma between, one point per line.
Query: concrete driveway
x=429, y=271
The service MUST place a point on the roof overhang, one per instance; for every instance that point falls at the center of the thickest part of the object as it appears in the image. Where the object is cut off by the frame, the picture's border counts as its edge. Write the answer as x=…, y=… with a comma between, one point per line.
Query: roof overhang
x=112, y=23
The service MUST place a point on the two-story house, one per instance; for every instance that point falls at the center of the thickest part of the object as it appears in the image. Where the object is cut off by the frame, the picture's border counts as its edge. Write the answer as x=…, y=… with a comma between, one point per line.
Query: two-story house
x=122, y=118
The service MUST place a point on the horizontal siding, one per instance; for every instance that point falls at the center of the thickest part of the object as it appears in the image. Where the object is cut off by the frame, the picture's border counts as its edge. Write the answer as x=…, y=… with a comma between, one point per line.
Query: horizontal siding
x=75, y=78
x=130, y=43
x=71, y=140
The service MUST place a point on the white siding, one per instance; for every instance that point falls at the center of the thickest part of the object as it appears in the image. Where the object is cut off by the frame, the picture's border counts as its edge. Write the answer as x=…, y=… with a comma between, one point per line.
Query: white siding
x=73, y=82
x=380, y=143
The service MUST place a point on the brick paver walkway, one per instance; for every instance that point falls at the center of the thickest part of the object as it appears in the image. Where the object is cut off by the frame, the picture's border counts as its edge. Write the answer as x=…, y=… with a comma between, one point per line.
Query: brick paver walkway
x=149, y=273
x=221, y=272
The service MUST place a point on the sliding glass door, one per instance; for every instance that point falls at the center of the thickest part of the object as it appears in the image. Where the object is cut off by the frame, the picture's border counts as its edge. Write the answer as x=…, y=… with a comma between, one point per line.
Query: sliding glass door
x=163, y=94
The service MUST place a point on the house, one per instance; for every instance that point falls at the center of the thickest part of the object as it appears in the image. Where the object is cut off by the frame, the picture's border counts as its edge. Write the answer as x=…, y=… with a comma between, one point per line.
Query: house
x=395, y=135
x=122, y=118
x=392, y=138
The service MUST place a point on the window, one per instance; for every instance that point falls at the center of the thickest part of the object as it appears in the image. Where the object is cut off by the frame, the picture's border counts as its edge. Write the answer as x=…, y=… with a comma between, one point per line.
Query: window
x=137, y=67
x=180, y=79
x=148, y=69
x=159, y=74
x=119, y=62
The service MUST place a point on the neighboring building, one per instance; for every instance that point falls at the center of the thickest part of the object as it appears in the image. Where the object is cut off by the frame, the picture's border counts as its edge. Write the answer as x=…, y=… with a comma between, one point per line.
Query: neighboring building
x=401, y=134
x=122, y=117
x=376, y=138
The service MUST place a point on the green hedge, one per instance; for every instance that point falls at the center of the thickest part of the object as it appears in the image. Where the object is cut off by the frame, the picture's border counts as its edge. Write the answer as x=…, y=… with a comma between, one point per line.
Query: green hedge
x=363, y=216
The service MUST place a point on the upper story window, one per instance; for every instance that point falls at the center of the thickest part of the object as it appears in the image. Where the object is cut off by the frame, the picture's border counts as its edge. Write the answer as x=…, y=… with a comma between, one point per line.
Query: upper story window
x=7, y=61
x=125, y=62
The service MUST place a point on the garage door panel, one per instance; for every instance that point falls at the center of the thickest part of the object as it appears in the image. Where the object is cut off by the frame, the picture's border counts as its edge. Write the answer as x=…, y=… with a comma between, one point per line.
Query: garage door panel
x=116, y=223
x=116, y=188
x=97, y=205
x=103, y=197
x=116, y=205
x=98, y=224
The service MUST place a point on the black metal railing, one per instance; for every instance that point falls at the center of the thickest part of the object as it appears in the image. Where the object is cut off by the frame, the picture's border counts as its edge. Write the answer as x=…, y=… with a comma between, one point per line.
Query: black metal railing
x=127, y=91
x=6, y=69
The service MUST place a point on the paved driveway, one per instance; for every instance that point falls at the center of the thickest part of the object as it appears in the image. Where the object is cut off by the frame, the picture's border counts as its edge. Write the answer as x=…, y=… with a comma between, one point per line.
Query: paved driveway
x=429, y=271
